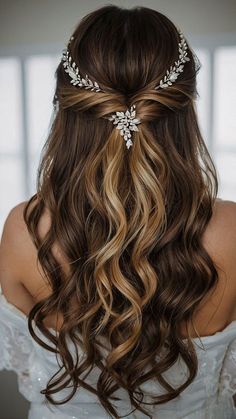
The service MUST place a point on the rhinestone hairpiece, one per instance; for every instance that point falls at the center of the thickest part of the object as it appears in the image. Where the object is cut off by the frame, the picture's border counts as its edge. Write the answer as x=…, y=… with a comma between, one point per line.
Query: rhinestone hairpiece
x=73, y=71
x=174, y=71
x=125, y=121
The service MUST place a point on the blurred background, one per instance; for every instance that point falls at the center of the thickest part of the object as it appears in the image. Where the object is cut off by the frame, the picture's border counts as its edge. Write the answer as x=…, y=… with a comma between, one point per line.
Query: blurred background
x=32, y=36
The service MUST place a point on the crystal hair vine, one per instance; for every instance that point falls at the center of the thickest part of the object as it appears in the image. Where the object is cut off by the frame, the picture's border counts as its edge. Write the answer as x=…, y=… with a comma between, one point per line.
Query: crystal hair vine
x=125, y=121
x=73, y=71
x=173, y=73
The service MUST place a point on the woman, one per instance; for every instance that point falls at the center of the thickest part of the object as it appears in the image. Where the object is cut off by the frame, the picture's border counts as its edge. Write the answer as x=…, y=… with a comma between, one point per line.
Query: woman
x=118, y=279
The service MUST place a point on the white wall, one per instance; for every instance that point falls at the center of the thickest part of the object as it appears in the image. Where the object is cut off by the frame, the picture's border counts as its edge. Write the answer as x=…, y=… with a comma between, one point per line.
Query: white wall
x=52, y=21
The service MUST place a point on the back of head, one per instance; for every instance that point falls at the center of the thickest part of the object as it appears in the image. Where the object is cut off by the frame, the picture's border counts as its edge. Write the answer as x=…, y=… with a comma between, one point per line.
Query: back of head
x=129, y=221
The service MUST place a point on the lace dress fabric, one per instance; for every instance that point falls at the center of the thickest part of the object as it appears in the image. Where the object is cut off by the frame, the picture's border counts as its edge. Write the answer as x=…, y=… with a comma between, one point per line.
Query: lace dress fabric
x=212, y=395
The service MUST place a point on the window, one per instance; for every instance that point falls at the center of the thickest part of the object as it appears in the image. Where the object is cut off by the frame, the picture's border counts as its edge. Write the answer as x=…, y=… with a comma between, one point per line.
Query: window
x=27, y=84
x=40, y=85
x=224, y=120
x=11, y=142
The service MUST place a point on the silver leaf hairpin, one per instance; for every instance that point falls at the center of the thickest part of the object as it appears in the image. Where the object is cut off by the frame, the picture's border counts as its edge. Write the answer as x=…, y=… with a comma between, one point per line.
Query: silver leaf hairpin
x=126, y=122
x=73, y=71
x=173, y=73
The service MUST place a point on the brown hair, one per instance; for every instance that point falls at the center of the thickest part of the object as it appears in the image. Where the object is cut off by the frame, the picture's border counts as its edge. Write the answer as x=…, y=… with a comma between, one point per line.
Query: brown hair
x=129, y=222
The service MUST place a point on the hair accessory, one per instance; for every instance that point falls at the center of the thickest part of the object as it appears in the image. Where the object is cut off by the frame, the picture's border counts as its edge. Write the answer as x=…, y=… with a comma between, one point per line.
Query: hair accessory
x=73, y=71
x=173, y=73
x=169, y=78
x=126, y=122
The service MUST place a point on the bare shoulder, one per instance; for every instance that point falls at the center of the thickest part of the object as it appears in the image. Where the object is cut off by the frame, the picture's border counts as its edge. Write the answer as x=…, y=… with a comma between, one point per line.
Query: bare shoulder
x=221, y=230
x=21, y=276
x=226, y=208
x=15, y=239
x=220, y=239
x=17, y=255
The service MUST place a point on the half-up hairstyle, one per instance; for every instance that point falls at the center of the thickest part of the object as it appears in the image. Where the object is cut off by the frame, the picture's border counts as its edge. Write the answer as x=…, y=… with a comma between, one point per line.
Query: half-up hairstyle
x=129, y=223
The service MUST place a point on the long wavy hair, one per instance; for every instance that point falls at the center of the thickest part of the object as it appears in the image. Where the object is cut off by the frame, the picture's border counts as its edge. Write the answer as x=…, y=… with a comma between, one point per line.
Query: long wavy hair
x=129, y=222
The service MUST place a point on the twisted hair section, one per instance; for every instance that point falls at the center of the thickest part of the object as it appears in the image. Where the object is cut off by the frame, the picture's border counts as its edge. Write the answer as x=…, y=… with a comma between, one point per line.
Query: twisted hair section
x=129, y=224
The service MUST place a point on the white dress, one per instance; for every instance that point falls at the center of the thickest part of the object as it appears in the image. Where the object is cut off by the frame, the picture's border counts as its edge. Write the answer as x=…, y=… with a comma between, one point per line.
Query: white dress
x=210, y=396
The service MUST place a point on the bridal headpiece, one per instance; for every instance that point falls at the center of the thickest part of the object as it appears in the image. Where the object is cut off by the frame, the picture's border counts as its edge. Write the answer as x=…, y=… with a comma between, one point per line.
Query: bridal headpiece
x=125, y=121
